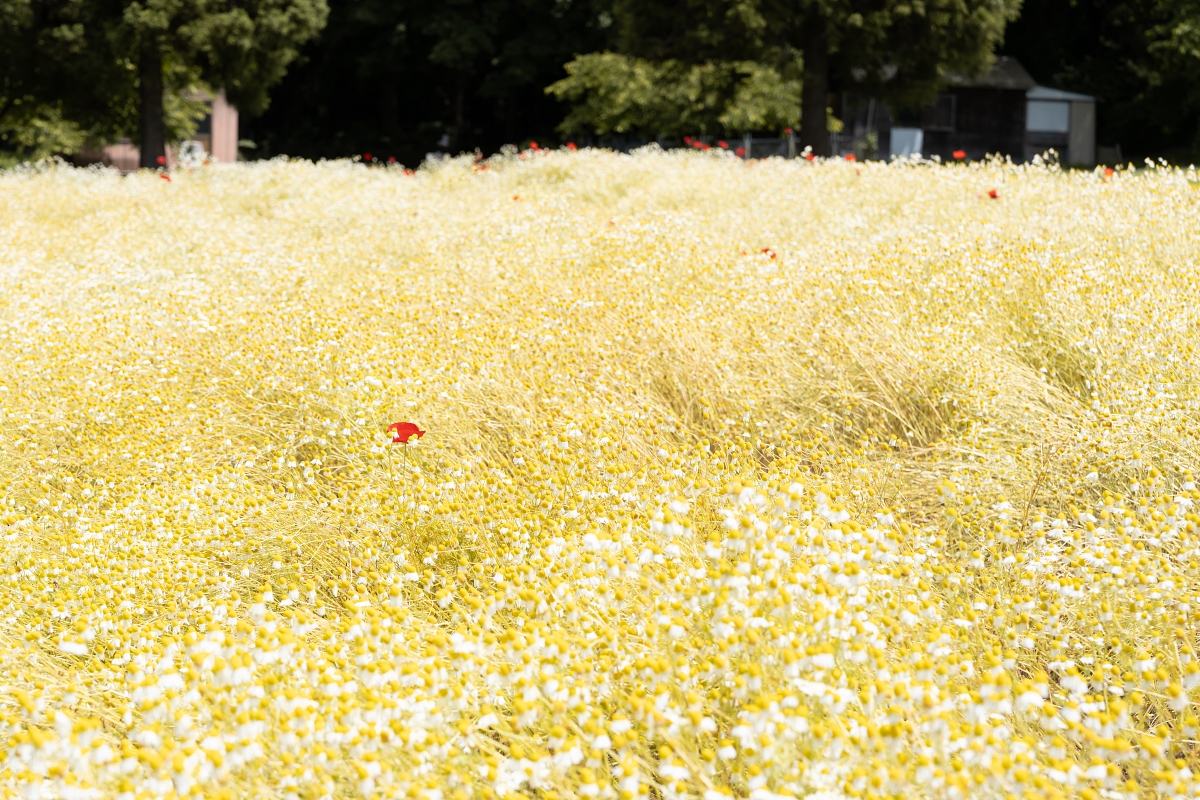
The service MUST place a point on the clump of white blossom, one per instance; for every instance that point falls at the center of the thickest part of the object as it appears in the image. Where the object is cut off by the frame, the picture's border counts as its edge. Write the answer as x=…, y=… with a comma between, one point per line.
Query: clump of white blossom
x=740, y=479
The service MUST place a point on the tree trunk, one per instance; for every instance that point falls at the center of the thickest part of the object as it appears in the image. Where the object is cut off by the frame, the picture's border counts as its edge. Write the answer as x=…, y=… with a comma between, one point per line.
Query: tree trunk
x=153, y=130
x=390, y=112
x=814, y=121
x=456, y=133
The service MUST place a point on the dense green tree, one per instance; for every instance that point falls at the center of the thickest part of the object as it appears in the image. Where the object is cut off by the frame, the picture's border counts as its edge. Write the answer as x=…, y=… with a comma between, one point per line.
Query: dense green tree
x=618, y=94
x=75, y=68
x=898, y=50
x=57, y=81
x=242, y=46
x=401, y=77
x=1141, y=57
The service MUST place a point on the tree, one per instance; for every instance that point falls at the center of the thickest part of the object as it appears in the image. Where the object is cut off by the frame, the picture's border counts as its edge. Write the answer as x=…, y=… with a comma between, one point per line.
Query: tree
x=242, y=46
x=614, y=93
x=57, y=82
x=404, y=77
x=76, y=68
x=898, y=50
x=1141, y=57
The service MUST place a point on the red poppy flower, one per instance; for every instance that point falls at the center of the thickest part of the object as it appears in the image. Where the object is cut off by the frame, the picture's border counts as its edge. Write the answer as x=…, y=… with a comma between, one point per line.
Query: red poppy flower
x=810, y=156
x=571, y=146
x=723, y=145
x=741, y=151
x=787, y=131
x=1109, y=172
x=165, y=177
x=851, y=157
x=687, y=140
x=391, y=159
x=992, y=193
x=768, y=251
x=534, y=146
x=404, y=432
x=959, y=155
x=161, y=160
x=366, y=156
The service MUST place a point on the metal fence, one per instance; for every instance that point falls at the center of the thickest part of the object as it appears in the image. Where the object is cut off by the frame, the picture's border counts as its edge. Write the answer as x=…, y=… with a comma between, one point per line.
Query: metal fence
x=748, y=146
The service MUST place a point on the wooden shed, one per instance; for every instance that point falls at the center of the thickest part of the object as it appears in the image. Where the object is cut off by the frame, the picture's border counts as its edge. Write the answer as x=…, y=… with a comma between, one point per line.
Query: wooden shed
x=1003, y=112
x=981, y=115
x=1064, y=121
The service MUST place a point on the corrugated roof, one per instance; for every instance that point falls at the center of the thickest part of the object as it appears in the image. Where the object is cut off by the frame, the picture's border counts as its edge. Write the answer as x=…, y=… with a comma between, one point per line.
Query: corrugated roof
x=1006, y=73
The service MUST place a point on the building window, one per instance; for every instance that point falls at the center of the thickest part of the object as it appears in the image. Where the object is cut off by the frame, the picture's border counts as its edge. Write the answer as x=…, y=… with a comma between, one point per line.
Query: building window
x=939, y=115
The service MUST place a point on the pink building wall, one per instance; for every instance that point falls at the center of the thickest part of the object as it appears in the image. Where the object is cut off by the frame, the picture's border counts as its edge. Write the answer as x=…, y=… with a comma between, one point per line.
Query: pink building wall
x=224, y=129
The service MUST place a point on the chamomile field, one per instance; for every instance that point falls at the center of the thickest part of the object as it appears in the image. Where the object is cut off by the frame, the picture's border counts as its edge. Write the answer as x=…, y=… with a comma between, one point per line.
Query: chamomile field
x=737, y=481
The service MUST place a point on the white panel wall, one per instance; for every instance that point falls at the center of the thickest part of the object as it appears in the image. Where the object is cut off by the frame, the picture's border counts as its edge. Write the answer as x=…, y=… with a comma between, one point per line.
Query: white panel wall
x=1048, y=116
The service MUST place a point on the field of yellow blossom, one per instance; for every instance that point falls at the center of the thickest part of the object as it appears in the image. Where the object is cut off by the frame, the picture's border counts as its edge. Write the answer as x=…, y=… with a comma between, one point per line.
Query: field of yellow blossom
x=739, y=480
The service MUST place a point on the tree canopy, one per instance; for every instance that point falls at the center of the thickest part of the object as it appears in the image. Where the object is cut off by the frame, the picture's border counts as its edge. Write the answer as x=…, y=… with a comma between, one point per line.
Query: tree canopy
x=105, y=68
x=745, y=64
x=1140, y=57
x=401, y=77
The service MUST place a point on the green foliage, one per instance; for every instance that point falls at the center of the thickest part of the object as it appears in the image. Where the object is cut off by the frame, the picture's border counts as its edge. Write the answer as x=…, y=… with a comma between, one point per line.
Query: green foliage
x=58, y=84
x=405, y=77
x=1140, y=56
x=35, y=132
x=69, y=68
x=702, y=65
x=617, y=94
x=763, y=99
x=244, y=46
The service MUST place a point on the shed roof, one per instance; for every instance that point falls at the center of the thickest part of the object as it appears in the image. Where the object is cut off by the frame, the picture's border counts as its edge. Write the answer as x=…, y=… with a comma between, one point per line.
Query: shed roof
x=1006, y=73
x=1046, y=93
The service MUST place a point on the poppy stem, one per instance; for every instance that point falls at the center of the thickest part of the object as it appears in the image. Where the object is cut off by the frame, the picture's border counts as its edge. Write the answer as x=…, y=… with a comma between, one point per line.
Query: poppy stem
x=391, y=471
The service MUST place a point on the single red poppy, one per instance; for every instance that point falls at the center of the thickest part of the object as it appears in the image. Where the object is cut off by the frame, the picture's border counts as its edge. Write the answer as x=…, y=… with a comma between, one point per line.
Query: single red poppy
x=165, y=177
x=161, y=160
x=404, y=432
x=741, y=151
x=534, y=146
x=723, y=145
x=787, y=131
x=810, y=156
x=391, y=159
x=1109, y=172
x=851, y=157
x=367, y=157
x=992, y=193
x=687, y=140
x=571, y=146
x=959, y=155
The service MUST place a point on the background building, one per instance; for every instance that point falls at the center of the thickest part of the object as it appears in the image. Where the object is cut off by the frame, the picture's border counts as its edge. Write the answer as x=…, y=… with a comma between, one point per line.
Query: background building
x=1002, y=112
x=216, y=136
